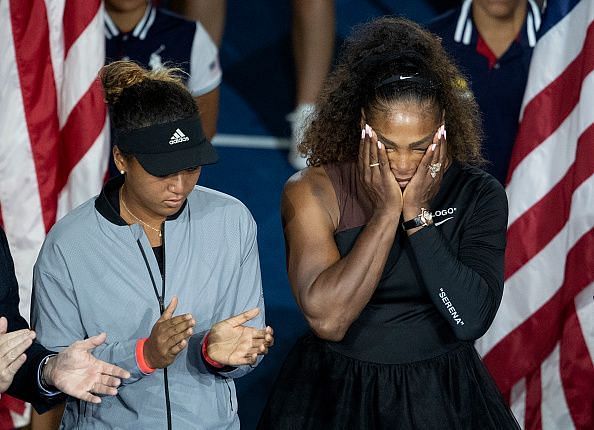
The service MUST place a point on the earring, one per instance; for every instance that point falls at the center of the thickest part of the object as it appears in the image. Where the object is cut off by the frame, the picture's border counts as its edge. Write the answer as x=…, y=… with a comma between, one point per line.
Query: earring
x=122, y=171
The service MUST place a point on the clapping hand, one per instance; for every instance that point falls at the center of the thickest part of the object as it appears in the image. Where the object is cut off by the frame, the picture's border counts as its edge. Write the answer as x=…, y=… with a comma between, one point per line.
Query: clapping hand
x=76, y=372
x=233, y=344
x=168, y=338
x=12, y=352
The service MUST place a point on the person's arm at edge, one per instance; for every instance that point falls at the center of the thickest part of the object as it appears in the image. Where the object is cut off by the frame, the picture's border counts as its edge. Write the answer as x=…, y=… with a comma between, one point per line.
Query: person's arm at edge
x=205, y=79
x=24, y=385
x=208, y=106
x=51, y=290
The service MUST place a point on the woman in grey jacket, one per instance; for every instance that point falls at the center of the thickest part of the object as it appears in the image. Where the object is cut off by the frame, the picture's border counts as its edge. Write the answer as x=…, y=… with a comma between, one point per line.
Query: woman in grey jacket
x=151, y=238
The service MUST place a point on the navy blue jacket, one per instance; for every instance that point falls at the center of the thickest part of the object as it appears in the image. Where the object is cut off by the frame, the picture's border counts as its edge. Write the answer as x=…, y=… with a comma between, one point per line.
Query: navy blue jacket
x=498, y=88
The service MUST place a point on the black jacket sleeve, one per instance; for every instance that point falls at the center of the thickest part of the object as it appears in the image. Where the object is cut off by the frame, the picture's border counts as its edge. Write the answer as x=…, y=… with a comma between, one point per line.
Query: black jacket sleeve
x=24, y=385
x=466, y=284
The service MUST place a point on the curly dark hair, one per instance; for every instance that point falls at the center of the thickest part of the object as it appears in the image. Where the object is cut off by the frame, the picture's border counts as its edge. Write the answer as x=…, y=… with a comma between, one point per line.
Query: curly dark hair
x=367, y=78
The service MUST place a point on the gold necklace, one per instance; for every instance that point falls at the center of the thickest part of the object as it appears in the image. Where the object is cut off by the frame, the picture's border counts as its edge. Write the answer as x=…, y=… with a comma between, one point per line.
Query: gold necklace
x=138, y=219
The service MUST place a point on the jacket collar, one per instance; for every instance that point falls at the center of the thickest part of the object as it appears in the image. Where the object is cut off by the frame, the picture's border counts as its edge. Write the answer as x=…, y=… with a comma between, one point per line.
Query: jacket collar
x=465, y=30
x=108, y=202
x=139, y=31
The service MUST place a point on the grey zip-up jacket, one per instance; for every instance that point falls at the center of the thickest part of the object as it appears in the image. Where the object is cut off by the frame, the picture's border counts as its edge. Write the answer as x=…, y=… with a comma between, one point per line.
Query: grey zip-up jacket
x=91, y=277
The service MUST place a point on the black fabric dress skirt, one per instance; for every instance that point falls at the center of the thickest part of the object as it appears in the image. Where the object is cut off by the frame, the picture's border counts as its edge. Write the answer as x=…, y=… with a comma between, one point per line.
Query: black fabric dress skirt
x=319, y=388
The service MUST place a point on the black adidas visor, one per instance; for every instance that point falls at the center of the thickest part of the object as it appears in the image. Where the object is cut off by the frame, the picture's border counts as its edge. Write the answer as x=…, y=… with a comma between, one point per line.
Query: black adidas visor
x=164, y=149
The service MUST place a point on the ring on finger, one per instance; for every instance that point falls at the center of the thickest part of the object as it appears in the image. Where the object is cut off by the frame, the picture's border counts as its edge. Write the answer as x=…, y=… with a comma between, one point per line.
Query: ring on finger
x=434, y=168
x=374, y=164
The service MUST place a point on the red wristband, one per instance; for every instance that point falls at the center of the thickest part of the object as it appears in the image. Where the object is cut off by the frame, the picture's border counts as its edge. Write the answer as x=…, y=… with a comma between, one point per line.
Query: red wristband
x=206, y=357
x=140, y=361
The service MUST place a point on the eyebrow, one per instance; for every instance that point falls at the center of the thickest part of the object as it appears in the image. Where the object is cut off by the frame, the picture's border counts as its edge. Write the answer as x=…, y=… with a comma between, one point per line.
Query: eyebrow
x=413, y=145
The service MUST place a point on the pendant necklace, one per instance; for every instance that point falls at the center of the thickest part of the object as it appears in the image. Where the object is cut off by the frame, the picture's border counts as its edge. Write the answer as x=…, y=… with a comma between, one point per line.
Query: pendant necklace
x=138, y=219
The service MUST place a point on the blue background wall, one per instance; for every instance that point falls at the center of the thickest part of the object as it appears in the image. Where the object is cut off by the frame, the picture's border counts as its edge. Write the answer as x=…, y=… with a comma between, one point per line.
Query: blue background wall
x=256, y=95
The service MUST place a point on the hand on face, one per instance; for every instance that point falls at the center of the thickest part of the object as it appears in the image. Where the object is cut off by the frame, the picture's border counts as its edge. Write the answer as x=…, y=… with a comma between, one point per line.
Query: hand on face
x=12, y=352
x=168, y=338
x=233, y=344
x=424, y=185
x=376, y=176
x=76, y=372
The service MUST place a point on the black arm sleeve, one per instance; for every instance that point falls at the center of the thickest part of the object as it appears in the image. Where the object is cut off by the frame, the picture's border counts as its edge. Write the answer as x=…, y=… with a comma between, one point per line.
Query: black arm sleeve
x=24, y=385
x=466, y=284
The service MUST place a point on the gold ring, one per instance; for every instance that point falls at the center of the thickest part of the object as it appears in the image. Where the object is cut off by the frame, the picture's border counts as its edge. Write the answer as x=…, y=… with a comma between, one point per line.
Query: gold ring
x=374, y=164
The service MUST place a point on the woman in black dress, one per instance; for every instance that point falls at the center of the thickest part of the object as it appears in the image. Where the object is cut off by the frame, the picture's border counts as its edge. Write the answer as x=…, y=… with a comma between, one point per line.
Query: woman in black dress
x=395, y=243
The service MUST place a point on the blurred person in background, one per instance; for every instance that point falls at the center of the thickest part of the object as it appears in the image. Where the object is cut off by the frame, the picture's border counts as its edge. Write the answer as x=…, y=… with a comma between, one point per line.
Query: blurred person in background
x=492, y=42
x=210, y=13
x=314, y=30
x=313, y=34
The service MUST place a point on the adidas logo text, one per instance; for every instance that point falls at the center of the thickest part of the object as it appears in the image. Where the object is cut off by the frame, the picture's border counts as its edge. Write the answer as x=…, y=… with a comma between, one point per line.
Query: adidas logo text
x=178, y=137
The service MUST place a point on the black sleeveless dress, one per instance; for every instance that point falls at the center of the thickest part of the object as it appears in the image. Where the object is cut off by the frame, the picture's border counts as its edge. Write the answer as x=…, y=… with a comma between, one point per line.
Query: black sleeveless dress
x=408, y=361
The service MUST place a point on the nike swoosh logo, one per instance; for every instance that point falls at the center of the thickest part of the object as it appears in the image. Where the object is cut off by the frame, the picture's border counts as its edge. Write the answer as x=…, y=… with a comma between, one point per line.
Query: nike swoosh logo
x=443, y=220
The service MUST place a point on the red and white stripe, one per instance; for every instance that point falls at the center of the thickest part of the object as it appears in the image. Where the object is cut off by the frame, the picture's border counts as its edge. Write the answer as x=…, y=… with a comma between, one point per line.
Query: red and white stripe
x=54, y=147
x=54, y=143
x=540, y=348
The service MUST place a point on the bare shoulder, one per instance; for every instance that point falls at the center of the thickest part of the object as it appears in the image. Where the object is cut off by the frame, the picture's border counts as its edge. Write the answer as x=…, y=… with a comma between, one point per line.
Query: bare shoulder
x=309, y=180
x=309, y=192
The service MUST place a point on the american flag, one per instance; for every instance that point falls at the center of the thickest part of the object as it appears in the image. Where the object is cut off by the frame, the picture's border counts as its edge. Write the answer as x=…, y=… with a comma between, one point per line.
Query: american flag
x=540, y=348
x=53, y=125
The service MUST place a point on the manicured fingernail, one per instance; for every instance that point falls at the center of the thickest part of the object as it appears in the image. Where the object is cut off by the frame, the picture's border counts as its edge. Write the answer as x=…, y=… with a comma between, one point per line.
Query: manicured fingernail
x=379, y=144
x=362, y=133
x=433, y=147
x=368, y=130
x=444, y=133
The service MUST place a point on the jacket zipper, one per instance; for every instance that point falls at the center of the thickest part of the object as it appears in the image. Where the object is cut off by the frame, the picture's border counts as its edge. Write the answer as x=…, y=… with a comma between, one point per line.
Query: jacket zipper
x=160, y=299
x=165, y=378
